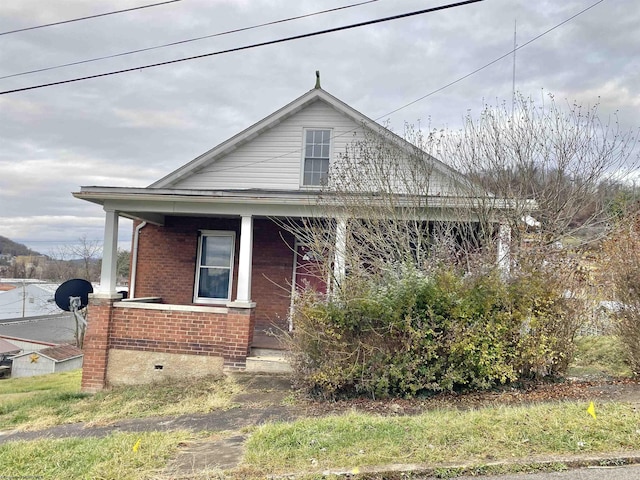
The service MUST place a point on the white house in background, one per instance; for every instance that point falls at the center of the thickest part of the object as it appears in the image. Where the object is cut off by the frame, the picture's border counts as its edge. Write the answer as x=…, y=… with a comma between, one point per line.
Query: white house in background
x=24, y=298
x=60, y=358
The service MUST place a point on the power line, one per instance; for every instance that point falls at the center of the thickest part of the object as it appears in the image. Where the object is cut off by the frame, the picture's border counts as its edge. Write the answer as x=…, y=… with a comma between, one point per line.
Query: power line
x=247, y=47
x=88, y=17
x=433, y=92
x=510, y=52
x=237, y=30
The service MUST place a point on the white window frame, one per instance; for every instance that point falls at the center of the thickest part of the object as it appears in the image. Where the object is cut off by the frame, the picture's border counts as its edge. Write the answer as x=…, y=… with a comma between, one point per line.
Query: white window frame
x=304, y=152
x=199, y=266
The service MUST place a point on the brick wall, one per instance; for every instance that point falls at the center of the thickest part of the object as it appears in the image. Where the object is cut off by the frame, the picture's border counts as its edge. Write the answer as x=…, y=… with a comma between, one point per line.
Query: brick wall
x=225, y=333
x=272, y=274
x=167, y=257
x=216, y=332
x=167, y=264
x=96, y=344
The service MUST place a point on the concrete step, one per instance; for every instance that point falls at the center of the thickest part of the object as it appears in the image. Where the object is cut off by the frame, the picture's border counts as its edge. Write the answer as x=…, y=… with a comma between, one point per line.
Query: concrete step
x=267, y=352
x=264, y=360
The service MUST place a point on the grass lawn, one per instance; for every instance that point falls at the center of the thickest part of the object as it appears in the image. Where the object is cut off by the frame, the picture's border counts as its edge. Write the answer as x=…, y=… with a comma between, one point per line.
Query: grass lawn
x=599, y=355
x=109, y=458
x=441, y=437
x=437, y=438
x=38, y=402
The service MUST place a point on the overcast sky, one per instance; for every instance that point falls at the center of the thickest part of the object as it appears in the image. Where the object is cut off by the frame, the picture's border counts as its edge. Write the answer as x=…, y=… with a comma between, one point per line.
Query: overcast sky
x=134, y=128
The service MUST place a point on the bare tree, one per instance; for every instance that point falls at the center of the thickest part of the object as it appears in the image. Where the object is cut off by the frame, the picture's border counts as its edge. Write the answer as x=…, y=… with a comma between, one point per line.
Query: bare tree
x=540, y=170
x=559, y=157
x=78, y=260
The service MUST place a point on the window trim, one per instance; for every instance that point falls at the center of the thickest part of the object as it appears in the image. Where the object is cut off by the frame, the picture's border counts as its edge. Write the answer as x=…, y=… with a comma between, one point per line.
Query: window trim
x=304, y=151
x=196, y=287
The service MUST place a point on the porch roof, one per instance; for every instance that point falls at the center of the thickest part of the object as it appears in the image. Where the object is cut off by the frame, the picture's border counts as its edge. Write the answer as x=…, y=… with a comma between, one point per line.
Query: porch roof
x=154, y=204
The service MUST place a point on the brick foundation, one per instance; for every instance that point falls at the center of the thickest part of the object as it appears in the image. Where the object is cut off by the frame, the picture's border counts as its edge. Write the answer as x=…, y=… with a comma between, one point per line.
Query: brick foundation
x=181, y=330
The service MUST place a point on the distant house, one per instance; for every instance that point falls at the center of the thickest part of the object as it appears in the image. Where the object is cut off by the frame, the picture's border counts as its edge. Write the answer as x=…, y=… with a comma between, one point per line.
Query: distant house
x=60, y=358
x=210, y=266
x=25, y=298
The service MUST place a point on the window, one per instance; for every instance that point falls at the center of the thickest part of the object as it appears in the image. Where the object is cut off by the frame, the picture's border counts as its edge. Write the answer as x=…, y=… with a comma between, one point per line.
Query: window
x=215, y=267
x=317, y=147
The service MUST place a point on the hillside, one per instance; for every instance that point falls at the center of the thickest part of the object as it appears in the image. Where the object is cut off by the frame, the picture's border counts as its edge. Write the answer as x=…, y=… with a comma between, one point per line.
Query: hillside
x=9, y=247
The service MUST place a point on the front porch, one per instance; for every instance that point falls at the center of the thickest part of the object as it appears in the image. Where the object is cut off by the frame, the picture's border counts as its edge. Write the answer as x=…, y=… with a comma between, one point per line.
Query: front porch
x=210, y=274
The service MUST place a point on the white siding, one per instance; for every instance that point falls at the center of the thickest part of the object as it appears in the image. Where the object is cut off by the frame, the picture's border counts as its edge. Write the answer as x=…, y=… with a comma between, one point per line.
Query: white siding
x=273, y=159
x=29, y=300
x=25, y=367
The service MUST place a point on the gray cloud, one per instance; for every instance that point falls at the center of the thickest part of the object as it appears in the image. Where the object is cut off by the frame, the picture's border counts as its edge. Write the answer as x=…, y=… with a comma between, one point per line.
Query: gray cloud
x=131, y=129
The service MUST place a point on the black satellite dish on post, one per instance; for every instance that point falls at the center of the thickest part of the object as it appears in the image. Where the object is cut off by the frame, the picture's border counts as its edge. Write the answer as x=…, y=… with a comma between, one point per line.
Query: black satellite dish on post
x=73, y=294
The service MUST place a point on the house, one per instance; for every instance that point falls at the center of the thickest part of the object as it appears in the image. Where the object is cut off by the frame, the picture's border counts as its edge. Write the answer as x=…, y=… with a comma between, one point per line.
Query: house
x=211, y=268
x=21, y=298
x=60, y=358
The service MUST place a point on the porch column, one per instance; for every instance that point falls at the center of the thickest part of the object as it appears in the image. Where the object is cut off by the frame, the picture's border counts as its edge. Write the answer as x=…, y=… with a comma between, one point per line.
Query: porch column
x=109, y=272
x=245, y=260
x=339, y=266
x=504, y=246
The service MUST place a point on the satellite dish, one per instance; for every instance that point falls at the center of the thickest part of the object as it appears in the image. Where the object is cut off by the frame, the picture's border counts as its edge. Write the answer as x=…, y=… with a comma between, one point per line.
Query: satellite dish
x=73, y=294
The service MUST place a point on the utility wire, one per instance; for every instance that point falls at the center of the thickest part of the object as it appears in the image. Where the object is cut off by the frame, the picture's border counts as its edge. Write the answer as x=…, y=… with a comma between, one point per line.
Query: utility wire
x=433, y=92
x=510, y=52
x=247, y=47
x=131, y=52
x=88, y=17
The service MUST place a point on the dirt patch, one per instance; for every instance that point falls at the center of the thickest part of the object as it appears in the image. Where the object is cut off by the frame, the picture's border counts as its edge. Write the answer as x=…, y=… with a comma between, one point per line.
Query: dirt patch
x=604, y=390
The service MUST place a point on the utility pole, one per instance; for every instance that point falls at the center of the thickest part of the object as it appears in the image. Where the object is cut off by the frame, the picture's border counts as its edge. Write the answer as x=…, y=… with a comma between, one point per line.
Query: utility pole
x=513, y=79
x=24, y=298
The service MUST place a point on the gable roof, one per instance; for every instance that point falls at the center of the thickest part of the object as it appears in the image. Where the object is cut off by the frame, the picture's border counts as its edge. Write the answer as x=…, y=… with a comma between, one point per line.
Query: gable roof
x=59, y=353
x=8, y=347
x=314, y=95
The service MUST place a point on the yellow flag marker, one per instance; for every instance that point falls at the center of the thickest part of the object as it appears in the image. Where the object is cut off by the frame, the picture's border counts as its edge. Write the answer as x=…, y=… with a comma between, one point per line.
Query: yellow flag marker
x=591, y=410
x=137, y=445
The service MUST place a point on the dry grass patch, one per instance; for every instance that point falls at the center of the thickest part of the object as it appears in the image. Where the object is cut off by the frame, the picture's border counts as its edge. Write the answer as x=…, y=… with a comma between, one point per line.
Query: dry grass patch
x=40, y=402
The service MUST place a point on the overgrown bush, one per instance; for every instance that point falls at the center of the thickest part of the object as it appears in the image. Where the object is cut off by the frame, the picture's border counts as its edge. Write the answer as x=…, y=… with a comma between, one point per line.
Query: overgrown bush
x=622, y=257
x=411, y=333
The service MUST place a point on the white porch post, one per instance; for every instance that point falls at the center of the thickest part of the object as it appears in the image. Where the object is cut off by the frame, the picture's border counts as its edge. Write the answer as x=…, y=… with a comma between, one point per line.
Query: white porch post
x=109, y=273
x=339, y=266
x=245, y=260
x=504, y=246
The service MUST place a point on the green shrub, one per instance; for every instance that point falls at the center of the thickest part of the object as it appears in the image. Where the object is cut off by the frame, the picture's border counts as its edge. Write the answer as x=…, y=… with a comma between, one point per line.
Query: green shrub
x=412, y=333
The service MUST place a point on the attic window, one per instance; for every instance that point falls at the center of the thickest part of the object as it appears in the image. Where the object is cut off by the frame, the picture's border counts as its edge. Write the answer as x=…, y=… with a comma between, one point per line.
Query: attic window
x=317, y=151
